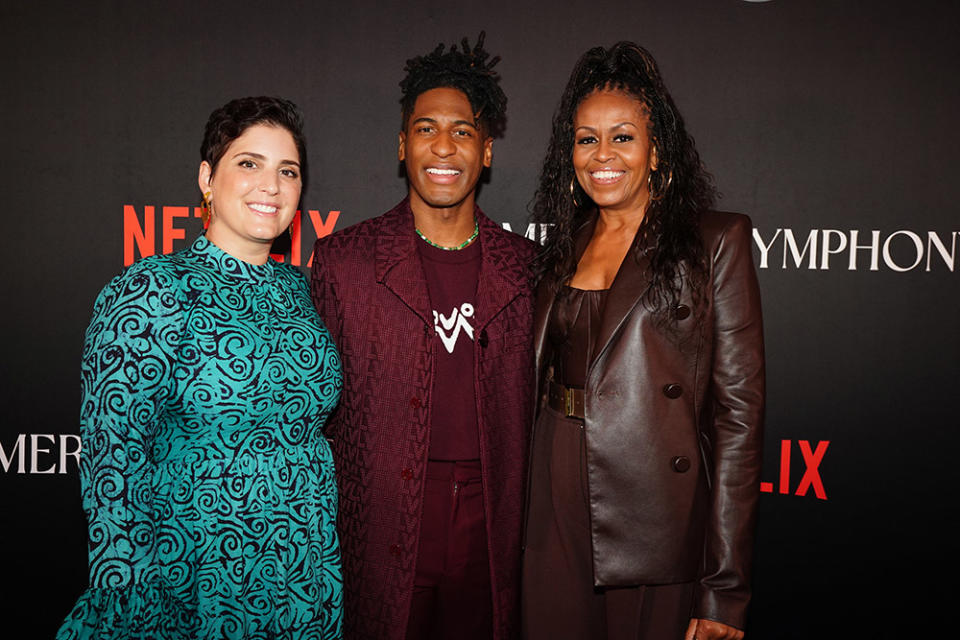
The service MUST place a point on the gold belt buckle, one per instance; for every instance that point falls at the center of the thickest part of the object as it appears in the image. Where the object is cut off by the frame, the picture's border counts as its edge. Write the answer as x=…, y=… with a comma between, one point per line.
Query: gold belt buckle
x=568, y=402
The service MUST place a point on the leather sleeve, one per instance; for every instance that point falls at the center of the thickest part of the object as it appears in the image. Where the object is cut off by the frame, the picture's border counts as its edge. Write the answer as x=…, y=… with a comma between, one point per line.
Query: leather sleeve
x=737, y=398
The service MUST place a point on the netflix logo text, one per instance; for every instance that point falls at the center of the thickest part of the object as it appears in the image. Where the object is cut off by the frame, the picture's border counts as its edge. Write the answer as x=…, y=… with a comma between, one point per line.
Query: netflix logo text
x=810, y=479
x=140, y=233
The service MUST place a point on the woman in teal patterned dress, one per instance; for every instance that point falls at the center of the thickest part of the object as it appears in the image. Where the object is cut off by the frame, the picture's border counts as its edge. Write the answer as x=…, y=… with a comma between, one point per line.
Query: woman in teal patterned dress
x=207, y=378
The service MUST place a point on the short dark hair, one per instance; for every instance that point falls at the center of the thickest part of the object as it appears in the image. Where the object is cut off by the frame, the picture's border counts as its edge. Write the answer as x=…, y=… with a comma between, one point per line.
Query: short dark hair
x=228, y=123
x=465, y=69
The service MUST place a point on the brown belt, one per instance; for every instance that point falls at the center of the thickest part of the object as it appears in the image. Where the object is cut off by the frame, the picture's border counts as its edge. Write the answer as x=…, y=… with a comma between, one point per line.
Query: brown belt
x=566, y=400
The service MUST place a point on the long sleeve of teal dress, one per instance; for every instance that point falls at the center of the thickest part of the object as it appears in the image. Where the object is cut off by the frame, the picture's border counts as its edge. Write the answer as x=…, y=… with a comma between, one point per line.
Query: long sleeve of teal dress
x=207, y=482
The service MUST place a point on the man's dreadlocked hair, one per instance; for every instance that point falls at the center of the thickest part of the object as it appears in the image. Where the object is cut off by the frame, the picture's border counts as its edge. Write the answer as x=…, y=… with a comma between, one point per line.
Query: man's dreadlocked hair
x=467, y=70
x=680, y=188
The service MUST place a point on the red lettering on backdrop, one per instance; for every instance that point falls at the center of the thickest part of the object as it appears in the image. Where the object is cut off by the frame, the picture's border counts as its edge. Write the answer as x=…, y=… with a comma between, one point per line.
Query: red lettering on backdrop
x=295, y=240
x=784, y=466
x=169, y=232
x=294, y=232
x=144, y=237
x=811, y=476
x=321, y=227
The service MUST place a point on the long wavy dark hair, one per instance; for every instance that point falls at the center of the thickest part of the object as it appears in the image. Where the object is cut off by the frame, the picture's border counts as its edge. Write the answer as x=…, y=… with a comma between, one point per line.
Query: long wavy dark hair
x=680, y=188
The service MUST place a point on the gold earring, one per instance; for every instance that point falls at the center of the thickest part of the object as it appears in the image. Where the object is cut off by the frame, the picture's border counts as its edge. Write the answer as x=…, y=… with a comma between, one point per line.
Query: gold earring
x=573, y=192
x=660, y=193
x=205, y=209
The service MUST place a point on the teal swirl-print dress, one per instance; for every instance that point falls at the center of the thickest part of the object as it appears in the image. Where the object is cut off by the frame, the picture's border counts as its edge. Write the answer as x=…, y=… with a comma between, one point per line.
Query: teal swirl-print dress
x=207, y=481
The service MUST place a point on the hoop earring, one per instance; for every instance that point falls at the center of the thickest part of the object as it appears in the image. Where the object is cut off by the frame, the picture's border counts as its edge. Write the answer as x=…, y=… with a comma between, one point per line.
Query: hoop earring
x=656, y=196
x=573, y=192
x=205, y=209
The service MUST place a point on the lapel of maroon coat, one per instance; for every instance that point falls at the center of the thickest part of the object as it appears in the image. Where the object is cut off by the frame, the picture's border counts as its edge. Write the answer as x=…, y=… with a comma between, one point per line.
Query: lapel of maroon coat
x=503, y=274
x=398, y=265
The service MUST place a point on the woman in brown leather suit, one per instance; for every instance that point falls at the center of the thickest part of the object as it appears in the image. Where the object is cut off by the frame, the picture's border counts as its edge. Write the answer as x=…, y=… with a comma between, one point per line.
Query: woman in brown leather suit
x=646, y=450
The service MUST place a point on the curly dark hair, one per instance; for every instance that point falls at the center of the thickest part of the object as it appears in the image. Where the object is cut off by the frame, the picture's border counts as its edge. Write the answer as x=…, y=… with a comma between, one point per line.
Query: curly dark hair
x=466, y=69
x=680, y=188
x=228, y=123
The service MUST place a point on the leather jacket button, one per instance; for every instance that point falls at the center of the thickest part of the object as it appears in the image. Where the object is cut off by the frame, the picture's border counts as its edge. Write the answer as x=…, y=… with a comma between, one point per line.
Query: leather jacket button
x=395, y=550
x=406, y=474
x=673, y=391
x=680, y=464
x=483, y=340
x=683, y=312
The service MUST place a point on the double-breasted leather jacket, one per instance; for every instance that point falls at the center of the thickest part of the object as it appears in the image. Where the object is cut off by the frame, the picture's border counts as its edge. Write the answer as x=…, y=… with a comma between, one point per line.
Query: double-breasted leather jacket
x=673, y=423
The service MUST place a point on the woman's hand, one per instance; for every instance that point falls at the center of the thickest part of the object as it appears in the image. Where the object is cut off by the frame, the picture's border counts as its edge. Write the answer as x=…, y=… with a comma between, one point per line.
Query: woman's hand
x=701, y=629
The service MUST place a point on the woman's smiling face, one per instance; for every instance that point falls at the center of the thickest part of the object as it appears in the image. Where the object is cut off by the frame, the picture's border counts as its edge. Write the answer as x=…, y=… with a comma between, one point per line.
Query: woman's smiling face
x=612, y=152
x=254, y=190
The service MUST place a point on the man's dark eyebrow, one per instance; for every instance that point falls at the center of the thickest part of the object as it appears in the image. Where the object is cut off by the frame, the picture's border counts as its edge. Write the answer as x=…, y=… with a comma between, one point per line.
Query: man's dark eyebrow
x=455, y=122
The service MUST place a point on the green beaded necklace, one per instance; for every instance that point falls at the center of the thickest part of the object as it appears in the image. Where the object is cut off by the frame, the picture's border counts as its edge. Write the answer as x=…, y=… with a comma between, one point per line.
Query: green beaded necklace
x=473, y=236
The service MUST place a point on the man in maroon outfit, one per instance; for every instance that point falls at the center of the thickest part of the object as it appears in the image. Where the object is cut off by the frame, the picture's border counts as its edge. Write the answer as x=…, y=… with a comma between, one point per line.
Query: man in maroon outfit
x=431, y=307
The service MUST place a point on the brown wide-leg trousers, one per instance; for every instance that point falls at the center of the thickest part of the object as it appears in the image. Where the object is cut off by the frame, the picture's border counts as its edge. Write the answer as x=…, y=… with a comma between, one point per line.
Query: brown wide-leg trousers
x=559, y=599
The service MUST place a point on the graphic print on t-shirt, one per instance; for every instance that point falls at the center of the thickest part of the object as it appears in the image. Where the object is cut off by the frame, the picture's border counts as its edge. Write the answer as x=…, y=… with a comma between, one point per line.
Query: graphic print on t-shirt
x=450, y=327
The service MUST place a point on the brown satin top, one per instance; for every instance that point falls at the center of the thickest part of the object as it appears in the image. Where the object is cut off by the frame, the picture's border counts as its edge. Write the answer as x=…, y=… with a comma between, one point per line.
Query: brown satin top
x=572, y=332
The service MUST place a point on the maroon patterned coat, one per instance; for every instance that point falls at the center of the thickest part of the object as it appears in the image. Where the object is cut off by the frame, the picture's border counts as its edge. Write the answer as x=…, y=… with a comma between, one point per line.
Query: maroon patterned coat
x=369, y=286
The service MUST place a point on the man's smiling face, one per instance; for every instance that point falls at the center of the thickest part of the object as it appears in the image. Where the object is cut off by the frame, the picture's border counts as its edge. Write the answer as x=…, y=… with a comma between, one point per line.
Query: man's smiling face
x=444, y=151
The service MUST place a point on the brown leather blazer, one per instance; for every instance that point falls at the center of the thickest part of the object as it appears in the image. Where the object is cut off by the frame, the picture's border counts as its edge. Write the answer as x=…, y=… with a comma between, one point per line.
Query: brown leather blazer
x=673, y=427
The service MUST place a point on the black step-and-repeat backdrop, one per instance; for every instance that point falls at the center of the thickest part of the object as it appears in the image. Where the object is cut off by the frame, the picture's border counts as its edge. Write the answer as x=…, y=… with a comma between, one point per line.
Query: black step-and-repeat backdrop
x=833, y=124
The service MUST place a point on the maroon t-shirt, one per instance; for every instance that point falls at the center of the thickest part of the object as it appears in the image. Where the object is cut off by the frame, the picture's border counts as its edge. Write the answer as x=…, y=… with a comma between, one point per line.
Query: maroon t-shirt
x=452, y=278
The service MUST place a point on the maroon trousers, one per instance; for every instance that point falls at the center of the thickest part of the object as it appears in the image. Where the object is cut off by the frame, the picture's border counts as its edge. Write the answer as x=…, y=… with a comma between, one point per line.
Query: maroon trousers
x=451, y=593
